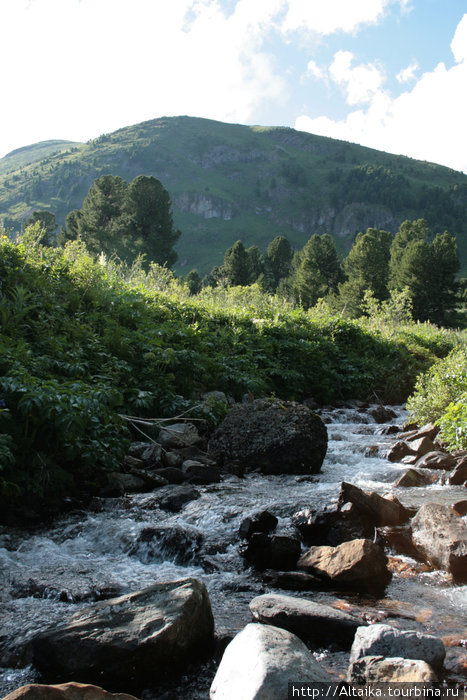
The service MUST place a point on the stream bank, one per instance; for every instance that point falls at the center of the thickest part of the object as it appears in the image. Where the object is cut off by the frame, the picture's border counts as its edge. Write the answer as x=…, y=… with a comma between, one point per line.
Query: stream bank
x=51, y=572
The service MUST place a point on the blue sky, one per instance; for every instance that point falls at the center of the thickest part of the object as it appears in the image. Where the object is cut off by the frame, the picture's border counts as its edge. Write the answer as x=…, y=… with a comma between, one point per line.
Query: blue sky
x=390, y=74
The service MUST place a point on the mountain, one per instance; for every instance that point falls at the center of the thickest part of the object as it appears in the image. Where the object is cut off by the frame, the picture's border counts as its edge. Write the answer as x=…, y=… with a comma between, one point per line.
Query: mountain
x=230, y=182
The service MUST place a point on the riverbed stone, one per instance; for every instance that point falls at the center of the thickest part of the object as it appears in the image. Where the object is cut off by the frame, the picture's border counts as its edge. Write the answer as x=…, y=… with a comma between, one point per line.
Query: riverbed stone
x=411, y=479
x=374, y=508
x=271, y=551
x=314, y=623
x=459, y=473
x=167, y=542
x=65, y=691
x=264, y=521
x=382, y=414
x=400, y=450
x=357, y=564
x=178, y=497
x=377, y=669
x=274, y=437
x=199, y=473
x=259, y=662
x=436, y=460
x=133, y=640
x=178, y=435
x=441, y=536
x=384, y=640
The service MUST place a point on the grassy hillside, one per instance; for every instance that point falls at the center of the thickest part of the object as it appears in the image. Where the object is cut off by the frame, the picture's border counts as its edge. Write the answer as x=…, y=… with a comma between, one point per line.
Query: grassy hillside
x=20, y=157
x=231, y=181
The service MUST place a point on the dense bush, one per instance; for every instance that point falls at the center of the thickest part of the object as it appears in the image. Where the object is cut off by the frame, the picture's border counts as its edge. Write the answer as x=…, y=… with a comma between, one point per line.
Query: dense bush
x=441, y=396
x=83, y=342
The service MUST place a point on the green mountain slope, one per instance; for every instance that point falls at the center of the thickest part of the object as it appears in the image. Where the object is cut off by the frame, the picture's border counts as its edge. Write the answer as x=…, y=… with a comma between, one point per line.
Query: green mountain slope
x=31, y=154
x=230, y=181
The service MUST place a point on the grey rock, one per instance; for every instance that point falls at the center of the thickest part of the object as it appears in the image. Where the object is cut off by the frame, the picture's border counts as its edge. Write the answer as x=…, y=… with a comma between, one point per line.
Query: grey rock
x=65, y=691
x=436, y=460
x=312, y=622
x=387, y=641
x=178, y=435
x=260, y=661
x=171, y=474
x=133, y=640
x=199, y=473
x=441, y=536
x=377, y=669
x=178, y=497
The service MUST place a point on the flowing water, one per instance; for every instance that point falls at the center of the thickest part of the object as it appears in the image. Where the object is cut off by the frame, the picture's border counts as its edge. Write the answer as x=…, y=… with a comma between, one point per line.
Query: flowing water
x=47, y=574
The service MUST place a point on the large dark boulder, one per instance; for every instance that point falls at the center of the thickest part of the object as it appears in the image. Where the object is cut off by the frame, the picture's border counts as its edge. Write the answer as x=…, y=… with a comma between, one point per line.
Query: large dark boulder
x=275, y=437
x=130, y=641
x=271, y=552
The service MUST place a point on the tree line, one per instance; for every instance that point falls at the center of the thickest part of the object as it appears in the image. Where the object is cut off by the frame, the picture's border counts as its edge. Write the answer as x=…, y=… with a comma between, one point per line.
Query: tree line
x=131, y=219
x=377, y=264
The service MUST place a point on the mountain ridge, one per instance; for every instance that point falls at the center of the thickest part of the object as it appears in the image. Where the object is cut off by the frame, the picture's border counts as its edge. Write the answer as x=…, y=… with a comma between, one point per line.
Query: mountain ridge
x=231, y=181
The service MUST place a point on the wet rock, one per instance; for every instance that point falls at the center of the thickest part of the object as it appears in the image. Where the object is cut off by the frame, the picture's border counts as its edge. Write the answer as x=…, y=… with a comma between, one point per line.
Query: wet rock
x=400, y=450
x=271, y=552
x=413, y=433
x=259, y=522
x=125, y=483
x=441, y=537
x=146, y=451
x=178, y=435
x=171, y=474
x=177, y=498
x=422, y=445
x=331, y=527
x=388, y=430
x=172, y=460
x=151, y=480
x=382, y=414
x=294, y=581
x=275, y=437
x=195, y=453
x=260, y=661
x=412, y=478
x=173, y=542
x=389, y=642
x=198, y=473
x=357, y=564
x=66, y=691
x=436, y=460
x=409, y=460
x=399, y=539
x=133, y=640
x=313, y=623
x=459, y=473
x=74, y=588
x=373, y=507
x=377, y=669
x=460, y=507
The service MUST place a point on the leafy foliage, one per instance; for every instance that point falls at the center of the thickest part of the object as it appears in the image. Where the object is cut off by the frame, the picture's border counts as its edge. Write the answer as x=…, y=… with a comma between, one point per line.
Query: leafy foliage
x=441, y=396
x=83, y=341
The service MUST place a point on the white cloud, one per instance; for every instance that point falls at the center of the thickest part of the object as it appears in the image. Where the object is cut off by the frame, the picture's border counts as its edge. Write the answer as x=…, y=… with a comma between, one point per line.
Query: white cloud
x=333, y=15
x=77, y=68
x=425, y=122
x=360, y=83
x=407, y=74
x=316, y=71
